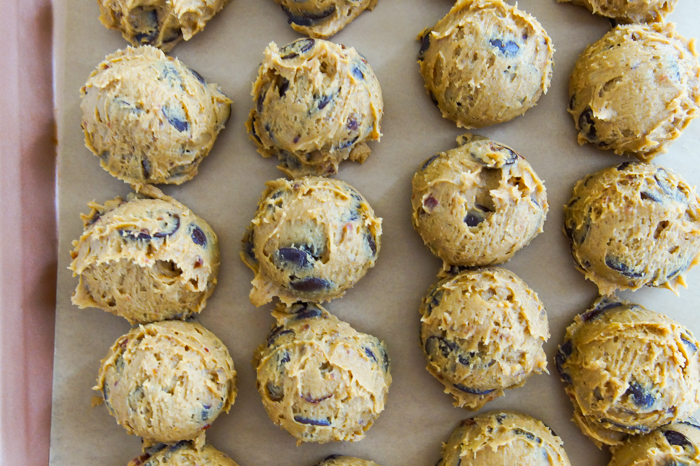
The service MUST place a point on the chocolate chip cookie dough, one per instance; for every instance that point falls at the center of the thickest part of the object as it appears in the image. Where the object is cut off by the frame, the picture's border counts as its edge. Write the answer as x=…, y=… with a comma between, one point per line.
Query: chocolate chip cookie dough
x=320, y=379
x=316, y=104
x=632, y=225
x=183, y=453
x=160, y=23
x=149, y=118
x=635, y=90
x=628, y=370
x=503, y=438
x=321, y=19
x=625, y=11
x=167, y=381
x=311, y=240
x=338, y=460
x=146, y=258
x=675, y=444
x=477, y=204
x=485, y=62
x=482, y=332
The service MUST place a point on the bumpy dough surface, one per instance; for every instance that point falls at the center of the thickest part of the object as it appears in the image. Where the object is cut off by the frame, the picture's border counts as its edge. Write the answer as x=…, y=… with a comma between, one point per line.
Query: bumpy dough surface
x=632, y=225
x=477, y=204
x=338, y=460
x=626, y=11
x=482, y=332
x=320, y=379
x=311, y=240
x=160, y=23
x=149, y=118
x=167, y=381
x=316, y=104
x=628, y=370
x=145, y=259
x=635, y=90
x=503, y=438
x=321, y=19
x=183, y=453
x=676, y=444
x=485, y=62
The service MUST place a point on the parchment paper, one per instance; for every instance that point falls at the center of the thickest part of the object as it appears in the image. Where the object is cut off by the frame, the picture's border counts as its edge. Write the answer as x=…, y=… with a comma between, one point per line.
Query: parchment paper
x=418, y=415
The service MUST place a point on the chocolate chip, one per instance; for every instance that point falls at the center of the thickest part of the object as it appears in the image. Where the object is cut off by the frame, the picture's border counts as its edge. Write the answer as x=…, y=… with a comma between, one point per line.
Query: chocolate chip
x=586, y=124
x=274, y=392
x=198, y=236
x=572, y=102
x=370, y=354
x=475, y=216
x=312, y=422
x=142, y=235
x=615, y=264
x=311, y=313
x=677, y=439
x=323, y=101
x=315, y=401
x=286, y=357
x=507, y=48
x=171, y=35
x=308, y=19
x=283, y=86
x=357, y=72
x=204, y=416
x=296, y=48
x=385, y=360
x=249, y=246
x=435, y=299
x=623, y=166
x=168, y=227
x=466, y=360
x=294, y=256
x=471, y=391
x=176, y=117
x=347, y=143
x=199, y=77
x=563, y=354
x=688, y=341
x=433, y=99
x=277, y=332
x=150, y=18
x=528, y=435
x=424, y=45
x=146, y=168
x=353, y=125
x=435, y=343
x=641, y=397
x=601, y=307
x=429, y=161
x=645, y=195
x=371, y=243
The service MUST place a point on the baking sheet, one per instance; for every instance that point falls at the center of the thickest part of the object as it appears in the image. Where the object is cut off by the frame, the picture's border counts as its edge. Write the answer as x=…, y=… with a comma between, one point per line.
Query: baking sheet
x=418, y=416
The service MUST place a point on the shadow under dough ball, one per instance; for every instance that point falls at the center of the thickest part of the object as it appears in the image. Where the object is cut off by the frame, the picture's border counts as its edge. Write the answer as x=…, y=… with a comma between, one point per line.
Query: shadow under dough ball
x=625, y=11
x=316, y=104
x=167, y=381
x=485, y=62
x=339, y=460
x=160, y=23
x=676, y=444
x=183, y=453
x=149, y=118
x=635, y=90
x=320, y=379
x=503, y=438
x=322, y=19
x=482, y=332
x=311, y=240
x=477, y=204
x=632, y=225
x=146, y=258
x=628, y=370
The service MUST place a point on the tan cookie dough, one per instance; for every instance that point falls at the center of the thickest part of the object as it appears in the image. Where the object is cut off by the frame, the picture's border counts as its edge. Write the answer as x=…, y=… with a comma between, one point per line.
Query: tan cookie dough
x=635, y=90
x=676, y=444
x=632, y=225
x=167, y=381
x=149, y=118
x=628, y=370
x=482, y=332
x=311, y=240
x=322, y=19
x=626, y=11
x=485, y=62
x=316, y=104
x=503, y=438
x=338, y=460
x=160, y=23
x=320, y=379
x=146, y=258
x=183, y=453
x=477, y=204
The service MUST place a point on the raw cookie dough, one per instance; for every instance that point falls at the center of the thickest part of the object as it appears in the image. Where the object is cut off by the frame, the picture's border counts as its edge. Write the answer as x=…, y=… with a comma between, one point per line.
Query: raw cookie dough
x=183, y=453
x=485, y=62
x=632, y=225
x=477, y=204
x=145, y=259
x=628, y=370
x=320, y=379
x=167, y=381
x=160, y=23
x=482, y=332
x=635, y=90
x=311, y=240
x=338, y=460
x=316, y=104
x=626, y=11
x=149, y=118
x=321, y=19
x=676, y=444
x=503, y=438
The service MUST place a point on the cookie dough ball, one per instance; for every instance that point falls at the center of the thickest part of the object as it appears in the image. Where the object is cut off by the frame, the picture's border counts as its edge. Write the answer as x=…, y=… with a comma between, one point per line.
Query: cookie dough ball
x=625, y=11
x=321, y=19
x=482, y=332
x=311, y=240
x=503, y=438
x=182, y=453
x=149, y=118
x=632, y=225
x=338, y=460
x=145, y=259
x=628, y=370
x=676, y=444
x=316, y=104
x=477, y=204
x=160, y=23
x=486, y=62
x=320, y=379
x=635, y=90
x=167, y=381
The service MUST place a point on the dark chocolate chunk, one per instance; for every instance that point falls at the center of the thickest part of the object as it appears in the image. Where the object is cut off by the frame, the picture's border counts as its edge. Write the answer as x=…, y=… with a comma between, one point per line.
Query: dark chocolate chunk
x=500, y=418
x=298, y=257
x=639, y=395
x=142, y=235
x=586, y=124
x=274, y=392
x=435, y=343
x=314, y=401
x=312, y=422
x=528, y=435
x=198, y=236
x=429, y=161
x=370, y=354
x=323, y=101
x=199, y=77
x=149, y=17
x=676, y=438
x=371, y=243
x=306, y=18
x=283, y=86
x=433, y=99
x=146, y=168
x=435, y=299
x=286, y=357
x=424, y=45
x=471, y=391
x=466, y=360
x=646, y=195
x=168, y=226
x=623, y=165
x=353, y=125
x=176, y=117
x=296, y=48
x=277, y=332
x=347, y=143
x=615, y=264
x=249, y=246
x=357, y=72
x=310, y=313
x=507, y=48
x=687, y=340
x=563, y=354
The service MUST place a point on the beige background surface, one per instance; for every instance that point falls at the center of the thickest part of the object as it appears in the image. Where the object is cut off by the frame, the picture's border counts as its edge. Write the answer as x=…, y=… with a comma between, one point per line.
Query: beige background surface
x=418, y=415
